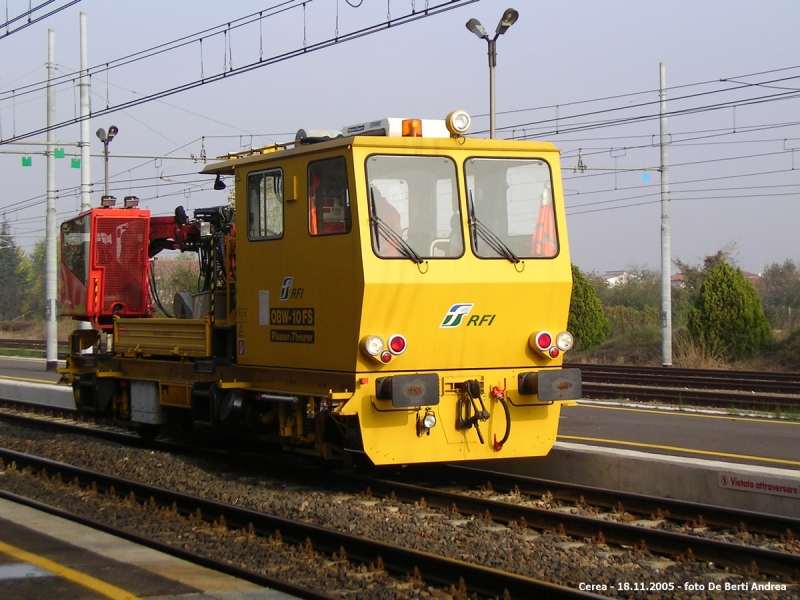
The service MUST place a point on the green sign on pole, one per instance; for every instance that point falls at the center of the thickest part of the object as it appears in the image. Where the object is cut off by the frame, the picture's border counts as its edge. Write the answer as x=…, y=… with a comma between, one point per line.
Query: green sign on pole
x=58, y=152
x=27, y=161
x=76, y=163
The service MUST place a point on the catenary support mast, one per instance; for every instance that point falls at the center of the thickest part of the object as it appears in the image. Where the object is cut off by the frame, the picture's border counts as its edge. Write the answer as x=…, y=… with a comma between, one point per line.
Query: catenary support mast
x=666, y=259
x=86, y=177
x=51, y=289
x=86, y=180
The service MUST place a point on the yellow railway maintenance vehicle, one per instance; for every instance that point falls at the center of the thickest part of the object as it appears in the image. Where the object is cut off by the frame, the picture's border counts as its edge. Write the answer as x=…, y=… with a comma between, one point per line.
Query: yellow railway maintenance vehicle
x=396, y=288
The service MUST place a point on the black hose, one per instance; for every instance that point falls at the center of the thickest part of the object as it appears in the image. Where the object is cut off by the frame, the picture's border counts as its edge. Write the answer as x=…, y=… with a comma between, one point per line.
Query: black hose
x=502, y=400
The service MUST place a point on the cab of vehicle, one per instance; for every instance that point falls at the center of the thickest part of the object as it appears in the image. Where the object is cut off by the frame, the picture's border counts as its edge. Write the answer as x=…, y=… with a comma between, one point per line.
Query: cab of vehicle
x=418, y=280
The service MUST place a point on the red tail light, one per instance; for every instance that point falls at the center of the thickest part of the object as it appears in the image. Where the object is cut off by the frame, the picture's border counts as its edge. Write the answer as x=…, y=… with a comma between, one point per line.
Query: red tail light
x=397, y=344
x=544, y=340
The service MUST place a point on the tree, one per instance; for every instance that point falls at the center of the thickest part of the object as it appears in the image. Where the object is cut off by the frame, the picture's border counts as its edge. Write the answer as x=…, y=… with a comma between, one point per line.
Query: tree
x=780, y=293
x=683, y=297
x=587, y=322
x=726, y=316
x=14, y=272
x=36, y=287
x=640, y=290
x=693, y=276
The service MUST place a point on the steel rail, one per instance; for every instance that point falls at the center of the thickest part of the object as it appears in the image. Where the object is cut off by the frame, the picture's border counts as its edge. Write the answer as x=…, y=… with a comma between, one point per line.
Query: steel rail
x=792, y=379
x=28, y=344
x=85, y=428
x=669, y=509
x=691, y=396
x=663, y=542
x=790, y=387
x=433, y=568
x=654, y=540
x=668, y=379
x=639, y=504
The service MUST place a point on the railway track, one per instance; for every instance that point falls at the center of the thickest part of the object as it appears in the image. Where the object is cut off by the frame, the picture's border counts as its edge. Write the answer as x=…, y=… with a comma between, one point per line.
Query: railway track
x=667, y=527
x=445, y=571
x=748, y=390
x=34, y=346
x=29, y=344
x=652, y=538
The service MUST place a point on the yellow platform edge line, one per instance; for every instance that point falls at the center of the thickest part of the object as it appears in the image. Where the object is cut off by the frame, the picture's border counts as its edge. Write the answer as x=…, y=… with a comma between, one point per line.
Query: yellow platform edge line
x=28, y=379
x=678, y=449
x=83, y=580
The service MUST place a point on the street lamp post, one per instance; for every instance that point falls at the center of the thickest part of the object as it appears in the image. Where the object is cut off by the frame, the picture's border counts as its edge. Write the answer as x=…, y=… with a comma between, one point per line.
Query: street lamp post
x=106, y=139
x=509, y=18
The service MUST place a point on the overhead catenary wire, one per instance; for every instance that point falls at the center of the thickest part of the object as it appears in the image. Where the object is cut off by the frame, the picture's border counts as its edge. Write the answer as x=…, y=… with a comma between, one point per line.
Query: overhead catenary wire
x=442, y=6
x=675, y=143
x=671, y=89
x=673, y=99
x=790, y=95
x=31, y=20
x=163, y=47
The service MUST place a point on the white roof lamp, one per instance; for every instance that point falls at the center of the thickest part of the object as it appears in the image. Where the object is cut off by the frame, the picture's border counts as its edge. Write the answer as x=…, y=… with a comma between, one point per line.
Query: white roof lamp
x=456, y=124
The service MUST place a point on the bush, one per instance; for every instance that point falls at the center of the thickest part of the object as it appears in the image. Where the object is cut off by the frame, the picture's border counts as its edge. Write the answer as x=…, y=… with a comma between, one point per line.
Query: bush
x=688, y=354
x=726, y=317
x=624, y=318
x=787, y=352
x=587, y=322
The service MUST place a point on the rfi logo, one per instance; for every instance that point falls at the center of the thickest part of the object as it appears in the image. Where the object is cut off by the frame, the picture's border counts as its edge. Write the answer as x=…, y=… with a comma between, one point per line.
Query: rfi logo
x=478, y=320
x=455, y=315
x=286, y=287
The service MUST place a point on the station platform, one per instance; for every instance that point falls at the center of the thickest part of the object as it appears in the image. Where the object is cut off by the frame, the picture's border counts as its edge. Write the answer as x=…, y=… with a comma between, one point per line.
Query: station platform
x=730, y=484
x=45, y=556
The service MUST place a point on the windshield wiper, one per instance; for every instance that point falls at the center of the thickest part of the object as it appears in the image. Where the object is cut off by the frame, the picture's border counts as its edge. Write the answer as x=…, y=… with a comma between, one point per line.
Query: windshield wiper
x=487, y=235
x=380, y=228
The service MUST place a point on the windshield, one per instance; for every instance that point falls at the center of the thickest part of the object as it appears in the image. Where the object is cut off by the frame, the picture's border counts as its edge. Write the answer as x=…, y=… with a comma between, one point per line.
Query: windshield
x=512, y=199
x=414, y=209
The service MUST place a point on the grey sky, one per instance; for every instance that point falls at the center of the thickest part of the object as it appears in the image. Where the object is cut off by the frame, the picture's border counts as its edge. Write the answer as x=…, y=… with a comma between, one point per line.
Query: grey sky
x=733, y=176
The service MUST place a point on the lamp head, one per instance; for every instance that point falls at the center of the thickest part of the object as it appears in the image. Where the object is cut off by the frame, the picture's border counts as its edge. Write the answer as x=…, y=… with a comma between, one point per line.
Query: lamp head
x=218, y=183
x=509, y=18
x=112, y=131
x=101, y=134
x=475, y=27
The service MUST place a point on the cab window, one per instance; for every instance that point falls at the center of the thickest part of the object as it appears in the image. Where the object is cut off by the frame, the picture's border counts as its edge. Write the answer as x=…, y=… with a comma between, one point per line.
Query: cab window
x=75, y=246
x=265, y=205
x=328, y=197
x=414, y=209
x=511, y=208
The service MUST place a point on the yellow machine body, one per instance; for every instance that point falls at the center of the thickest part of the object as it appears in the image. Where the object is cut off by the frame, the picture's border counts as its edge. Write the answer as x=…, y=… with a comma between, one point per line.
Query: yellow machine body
x=320, y=274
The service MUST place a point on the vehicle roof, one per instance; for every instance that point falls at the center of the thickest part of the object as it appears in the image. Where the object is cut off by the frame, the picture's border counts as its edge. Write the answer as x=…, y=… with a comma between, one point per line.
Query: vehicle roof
x=291, y=150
